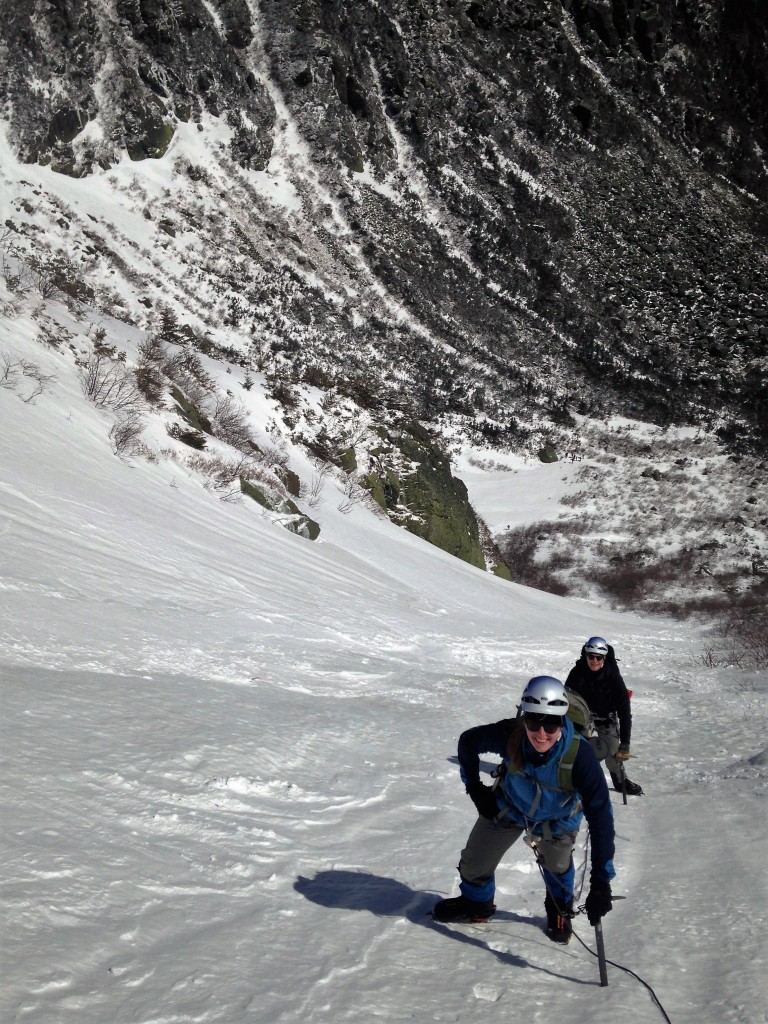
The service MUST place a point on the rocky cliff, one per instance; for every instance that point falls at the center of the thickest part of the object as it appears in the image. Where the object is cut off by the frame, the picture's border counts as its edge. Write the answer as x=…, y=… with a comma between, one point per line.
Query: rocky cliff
x=500, y=212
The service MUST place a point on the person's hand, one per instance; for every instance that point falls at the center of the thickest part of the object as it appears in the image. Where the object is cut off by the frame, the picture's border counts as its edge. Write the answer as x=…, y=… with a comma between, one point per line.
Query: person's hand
x=484, y=799
x=599, y=902
x=622, y=754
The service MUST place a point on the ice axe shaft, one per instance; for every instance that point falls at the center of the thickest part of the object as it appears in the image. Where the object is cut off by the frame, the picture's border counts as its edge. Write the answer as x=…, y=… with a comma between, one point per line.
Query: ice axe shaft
x=601, y=954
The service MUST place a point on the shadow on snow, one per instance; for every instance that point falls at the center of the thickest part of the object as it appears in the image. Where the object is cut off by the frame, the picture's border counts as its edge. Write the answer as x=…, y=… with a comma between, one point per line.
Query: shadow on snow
x=386, y=897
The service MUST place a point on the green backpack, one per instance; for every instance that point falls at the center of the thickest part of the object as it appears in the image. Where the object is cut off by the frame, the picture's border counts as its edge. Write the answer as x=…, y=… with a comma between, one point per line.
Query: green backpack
x=579, y=713
x=583, y=724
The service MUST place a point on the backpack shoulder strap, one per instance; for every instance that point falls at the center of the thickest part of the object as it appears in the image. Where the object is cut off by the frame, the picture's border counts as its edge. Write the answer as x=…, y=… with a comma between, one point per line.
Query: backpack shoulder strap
x=565, y=767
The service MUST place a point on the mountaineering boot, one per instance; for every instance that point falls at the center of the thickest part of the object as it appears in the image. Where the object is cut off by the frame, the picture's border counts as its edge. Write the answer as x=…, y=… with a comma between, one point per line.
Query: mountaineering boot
x=463, y=910
x=633, y=789
x=559, y=928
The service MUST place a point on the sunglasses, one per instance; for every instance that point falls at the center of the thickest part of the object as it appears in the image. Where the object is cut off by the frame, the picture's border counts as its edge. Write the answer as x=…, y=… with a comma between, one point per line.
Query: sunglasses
x=595, y=657
x=549, y=723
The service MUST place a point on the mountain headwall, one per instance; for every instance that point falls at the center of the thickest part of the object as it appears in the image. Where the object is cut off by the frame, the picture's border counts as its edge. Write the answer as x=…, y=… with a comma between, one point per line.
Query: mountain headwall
x=500, y=213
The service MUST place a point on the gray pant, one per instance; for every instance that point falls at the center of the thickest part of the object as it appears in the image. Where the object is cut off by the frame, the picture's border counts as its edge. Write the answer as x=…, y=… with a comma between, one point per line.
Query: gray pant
x=605, y=744
x=488, y=842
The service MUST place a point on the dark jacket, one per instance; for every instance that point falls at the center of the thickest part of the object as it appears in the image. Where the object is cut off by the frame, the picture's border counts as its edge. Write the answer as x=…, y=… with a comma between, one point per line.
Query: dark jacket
x=604, y=691
x=588, y=781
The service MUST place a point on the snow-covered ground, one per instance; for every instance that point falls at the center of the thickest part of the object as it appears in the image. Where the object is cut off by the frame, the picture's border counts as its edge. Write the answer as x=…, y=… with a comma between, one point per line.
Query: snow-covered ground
x=228, y=762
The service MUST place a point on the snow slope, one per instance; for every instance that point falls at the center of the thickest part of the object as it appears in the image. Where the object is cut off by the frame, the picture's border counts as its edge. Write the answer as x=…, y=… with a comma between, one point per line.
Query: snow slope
x=229, y=786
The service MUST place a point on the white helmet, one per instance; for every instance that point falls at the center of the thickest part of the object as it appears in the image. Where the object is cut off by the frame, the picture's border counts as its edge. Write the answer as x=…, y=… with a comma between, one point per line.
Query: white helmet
x=545, y=695
x=596, y=645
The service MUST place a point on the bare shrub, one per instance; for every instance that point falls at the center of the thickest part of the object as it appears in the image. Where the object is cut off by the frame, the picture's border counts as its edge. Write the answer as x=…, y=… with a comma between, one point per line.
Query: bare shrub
x=152, y=350
x=333, y=439
x=107, y=384
x=354, y=494
x=14, y=373
x=43, y=280
x=224, y=475
x=223, y=472
x=709, y=657
x=625, y=585
x=14, y=272
x=575, y=500
x=9, y=308
x=185, y=369
x=745, y=628
x=312, y=493
x=40, y=381
x=56, y=275
x=10, y=372
x=701, y=606
x=125, y=436
x=275, y=455
x=109, y=301
x=232, y=424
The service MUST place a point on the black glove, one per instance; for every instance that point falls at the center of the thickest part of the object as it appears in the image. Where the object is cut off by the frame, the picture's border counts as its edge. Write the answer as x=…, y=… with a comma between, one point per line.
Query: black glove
x=484, y=799
x=598, y=902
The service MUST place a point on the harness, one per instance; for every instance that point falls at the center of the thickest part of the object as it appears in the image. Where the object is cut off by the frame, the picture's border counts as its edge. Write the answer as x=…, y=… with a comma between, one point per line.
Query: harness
x=605, y=720
x=564, y=784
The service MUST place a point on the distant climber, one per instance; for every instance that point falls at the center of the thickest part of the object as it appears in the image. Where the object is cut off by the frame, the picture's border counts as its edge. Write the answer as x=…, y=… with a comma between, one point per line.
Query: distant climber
x=597, y=679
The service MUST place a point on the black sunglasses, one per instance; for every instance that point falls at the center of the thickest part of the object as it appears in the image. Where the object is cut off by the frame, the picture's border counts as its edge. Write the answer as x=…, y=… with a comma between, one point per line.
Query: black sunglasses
x=596, y=657
x=550, y=723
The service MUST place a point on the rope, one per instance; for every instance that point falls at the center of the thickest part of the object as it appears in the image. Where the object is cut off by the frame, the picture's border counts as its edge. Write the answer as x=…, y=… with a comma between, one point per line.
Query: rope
x=626, y=970
x=582, y=910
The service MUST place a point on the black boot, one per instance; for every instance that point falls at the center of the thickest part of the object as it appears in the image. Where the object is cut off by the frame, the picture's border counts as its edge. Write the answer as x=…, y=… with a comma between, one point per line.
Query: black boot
x=463, y=910
x=559, y=914
x=633, y=789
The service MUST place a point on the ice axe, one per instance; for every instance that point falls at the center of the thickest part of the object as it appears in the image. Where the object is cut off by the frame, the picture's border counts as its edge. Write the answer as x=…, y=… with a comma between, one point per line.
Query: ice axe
x=601, y=954
x=622, y=773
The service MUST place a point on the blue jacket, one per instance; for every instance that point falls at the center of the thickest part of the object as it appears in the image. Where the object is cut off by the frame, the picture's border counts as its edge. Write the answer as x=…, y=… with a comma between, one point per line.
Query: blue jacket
x=562, y=810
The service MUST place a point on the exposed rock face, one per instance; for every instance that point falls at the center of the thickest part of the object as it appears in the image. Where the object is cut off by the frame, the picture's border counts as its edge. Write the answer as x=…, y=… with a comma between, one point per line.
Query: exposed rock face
x=517, y=206
x=136, y=68
x=424, y=496
x=293, y=518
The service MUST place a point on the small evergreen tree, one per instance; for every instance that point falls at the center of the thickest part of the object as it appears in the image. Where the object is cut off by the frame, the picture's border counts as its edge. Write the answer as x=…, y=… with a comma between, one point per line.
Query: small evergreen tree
x=169, y=329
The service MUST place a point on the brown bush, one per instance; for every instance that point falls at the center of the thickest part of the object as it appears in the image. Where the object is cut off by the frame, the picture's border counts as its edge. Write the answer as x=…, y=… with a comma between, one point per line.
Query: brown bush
x=634, y=575
x=746, y=625
x=518, y=548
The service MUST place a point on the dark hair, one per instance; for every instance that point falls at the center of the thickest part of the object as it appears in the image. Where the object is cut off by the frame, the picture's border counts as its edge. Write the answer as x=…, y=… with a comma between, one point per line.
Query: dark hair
x=515, y=750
